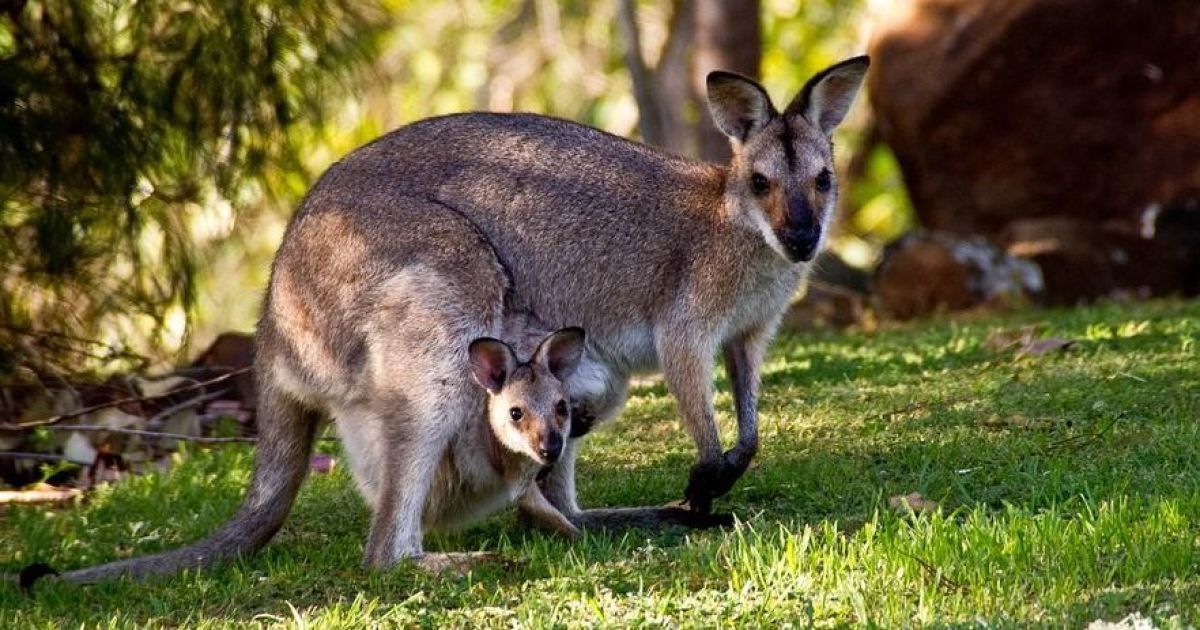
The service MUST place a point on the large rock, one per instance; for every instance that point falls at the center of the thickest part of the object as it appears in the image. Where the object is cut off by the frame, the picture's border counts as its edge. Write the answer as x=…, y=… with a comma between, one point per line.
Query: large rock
x=1007, y=109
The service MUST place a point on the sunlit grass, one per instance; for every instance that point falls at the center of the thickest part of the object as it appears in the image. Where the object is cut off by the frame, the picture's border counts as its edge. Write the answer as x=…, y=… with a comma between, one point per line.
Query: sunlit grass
x=1068, y=486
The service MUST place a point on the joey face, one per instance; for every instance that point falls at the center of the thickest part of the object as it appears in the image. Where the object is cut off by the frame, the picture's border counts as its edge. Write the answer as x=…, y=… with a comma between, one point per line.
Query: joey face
x=530, y=414
x=781, y=178
x=528, y=409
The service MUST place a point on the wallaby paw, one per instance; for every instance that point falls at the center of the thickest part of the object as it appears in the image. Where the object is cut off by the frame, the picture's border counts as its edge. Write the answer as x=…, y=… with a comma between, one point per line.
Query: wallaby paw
x=456, y=562
x=710, y=480
x=568, y=531
x=582, y=419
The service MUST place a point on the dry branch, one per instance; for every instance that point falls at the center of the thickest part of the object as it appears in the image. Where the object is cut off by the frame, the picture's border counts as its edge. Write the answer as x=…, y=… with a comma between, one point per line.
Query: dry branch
x=152, y=434
x=123, y=401
x=26, y=497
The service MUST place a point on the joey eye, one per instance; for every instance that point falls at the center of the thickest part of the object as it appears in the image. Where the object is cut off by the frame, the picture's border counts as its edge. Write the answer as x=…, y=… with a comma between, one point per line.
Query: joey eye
x=824, y=180
x=561, y=408
x=516, y=414
x=759, y=184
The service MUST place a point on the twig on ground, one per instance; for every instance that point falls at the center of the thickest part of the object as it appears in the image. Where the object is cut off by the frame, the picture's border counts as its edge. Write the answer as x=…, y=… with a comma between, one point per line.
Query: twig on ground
x=944, y=581
x=159, y=417
x=42, y=457
x=918, y=406
x=92, y=428
x=123, y=401
x=55, y=495
x=1076, y=442
x=151, y=434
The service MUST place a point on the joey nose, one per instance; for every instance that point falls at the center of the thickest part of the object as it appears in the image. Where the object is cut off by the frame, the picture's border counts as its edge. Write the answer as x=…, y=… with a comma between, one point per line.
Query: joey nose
x=551, y=447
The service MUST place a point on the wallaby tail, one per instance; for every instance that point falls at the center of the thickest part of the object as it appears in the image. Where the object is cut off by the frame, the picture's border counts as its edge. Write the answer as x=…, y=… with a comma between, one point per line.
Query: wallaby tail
x=648, y=518
x=286, y=432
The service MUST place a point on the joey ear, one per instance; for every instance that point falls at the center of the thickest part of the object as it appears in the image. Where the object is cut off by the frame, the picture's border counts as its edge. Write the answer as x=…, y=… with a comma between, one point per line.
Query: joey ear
x=827, y=97
x=492, y=361
x=739, y=105
x=561, y=351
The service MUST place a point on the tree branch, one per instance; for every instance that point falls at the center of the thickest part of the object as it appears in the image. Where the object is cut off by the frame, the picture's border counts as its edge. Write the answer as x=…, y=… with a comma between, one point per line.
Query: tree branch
x=123, y=401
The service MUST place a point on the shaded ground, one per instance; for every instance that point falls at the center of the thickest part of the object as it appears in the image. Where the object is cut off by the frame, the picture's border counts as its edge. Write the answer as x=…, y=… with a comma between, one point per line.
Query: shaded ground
x=1069, y=486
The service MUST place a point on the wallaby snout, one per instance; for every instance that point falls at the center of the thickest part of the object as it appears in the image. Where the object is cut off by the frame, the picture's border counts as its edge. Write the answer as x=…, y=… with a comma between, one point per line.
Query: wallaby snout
x=802, y=234
x=551, y=446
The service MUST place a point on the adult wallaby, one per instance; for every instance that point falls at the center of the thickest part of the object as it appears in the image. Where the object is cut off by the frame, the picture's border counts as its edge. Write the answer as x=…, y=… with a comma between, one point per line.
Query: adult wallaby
x=441, y=231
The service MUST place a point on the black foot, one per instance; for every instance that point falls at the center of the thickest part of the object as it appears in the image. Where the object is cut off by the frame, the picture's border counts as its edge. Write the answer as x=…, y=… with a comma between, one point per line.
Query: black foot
x=710, y=480
x=32, y=573
x=582, y=420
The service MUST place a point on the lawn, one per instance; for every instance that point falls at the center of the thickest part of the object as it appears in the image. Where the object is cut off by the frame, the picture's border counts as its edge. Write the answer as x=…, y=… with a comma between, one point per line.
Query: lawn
x=1058, y=488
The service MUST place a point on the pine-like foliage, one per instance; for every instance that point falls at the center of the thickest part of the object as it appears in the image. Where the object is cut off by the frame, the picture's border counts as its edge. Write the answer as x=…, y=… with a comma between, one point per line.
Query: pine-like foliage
x=120, y=118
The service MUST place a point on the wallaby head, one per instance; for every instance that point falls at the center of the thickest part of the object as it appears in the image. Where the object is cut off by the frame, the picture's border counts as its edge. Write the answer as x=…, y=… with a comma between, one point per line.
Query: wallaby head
x=528, y=409
x=781, y=177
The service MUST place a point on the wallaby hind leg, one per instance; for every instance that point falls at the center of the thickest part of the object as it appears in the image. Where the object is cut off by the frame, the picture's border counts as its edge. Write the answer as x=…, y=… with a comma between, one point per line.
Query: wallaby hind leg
x=415, y=448
x=405, y=477
x=363, y=444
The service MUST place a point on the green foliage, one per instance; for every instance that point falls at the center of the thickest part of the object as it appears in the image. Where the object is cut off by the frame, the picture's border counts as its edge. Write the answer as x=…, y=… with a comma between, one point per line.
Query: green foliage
x=123, y=125
x=1069, y=487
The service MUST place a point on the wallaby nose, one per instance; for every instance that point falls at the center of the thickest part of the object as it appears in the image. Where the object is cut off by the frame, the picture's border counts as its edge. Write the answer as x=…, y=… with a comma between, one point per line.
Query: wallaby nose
x=803, y=232
x=551, y=447
x=802, y=244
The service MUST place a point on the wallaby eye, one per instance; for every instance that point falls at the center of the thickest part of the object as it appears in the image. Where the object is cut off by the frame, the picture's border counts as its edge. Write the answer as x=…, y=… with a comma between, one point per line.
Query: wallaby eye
x=561, y=408
x=824, y=180
x=516, y=414
x=759, y=184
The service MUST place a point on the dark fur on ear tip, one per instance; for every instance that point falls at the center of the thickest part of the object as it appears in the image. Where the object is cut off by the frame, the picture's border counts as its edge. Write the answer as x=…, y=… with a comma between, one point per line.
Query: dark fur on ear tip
x=32, y=573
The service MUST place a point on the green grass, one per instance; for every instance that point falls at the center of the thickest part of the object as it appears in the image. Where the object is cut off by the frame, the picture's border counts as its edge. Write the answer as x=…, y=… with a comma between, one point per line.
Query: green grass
x=1069, y=487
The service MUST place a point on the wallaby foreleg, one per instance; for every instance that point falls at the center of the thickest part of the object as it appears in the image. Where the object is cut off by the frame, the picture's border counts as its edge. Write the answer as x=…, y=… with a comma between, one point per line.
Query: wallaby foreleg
x=687, y=364
x=743, y=363
x=535, y=507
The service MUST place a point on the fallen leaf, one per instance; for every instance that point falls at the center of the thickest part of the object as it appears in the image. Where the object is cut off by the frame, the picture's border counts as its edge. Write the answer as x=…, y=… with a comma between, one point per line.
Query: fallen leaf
x=1042, y=346
x=1001, y=340
x=913, y=502
x=1025, y=342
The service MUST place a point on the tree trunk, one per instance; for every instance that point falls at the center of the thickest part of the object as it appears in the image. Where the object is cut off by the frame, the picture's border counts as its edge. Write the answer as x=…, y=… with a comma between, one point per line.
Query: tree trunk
x=704, y=35
x=728, y=37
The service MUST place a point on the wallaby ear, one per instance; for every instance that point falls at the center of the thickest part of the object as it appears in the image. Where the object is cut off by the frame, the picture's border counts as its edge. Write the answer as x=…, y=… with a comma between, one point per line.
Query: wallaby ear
x=739, y=105
x=561, y=351
x=827, y=97
x=492, y=361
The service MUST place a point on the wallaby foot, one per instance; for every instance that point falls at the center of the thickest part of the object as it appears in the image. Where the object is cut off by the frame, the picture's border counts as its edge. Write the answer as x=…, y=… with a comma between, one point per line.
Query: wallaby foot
x=457, y=562
x=583, y=418
x=710, y=480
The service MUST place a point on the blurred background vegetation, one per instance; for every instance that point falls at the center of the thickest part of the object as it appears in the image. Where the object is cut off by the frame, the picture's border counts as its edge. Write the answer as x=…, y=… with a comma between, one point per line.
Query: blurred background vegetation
x=152, y=151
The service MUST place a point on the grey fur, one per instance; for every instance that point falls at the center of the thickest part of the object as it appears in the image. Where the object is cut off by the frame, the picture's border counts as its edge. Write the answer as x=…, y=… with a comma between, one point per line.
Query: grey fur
x=498, y=225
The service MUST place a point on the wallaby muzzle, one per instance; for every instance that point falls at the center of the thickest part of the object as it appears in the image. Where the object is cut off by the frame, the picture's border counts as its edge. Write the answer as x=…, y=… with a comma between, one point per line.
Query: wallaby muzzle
x=802, y=233
x=551, y=447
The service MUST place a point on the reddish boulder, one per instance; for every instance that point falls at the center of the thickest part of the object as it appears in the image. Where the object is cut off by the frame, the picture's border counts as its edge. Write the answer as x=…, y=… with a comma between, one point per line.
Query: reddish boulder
x=1006, y=109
